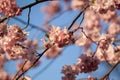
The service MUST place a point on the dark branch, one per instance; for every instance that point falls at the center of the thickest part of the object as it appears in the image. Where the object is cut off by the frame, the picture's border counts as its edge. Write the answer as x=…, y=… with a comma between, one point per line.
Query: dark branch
x=27, y=6
x=77, y=17
x=32, y=25
x=28, y=19
x=39, y=56
x=3, y=19
x=107, y=74
x=34, y=3
x=45, y=68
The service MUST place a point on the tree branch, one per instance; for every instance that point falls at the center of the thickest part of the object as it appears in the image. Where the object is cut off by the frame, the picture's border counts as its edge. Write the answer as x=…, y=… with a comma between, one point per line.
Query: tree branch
x=109, y=71
x=25, y=7
x=3, y=19
x=28, y=19
x=34, y=3
x=77, y=17
x=39, y=56
x=45, y=68
x=32, y=25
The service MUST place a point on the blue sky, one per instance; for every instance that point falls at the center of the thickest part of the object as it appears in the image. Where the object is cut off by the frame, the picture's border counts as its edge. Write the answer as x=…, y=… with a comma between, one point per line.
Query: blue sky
x=69, y=55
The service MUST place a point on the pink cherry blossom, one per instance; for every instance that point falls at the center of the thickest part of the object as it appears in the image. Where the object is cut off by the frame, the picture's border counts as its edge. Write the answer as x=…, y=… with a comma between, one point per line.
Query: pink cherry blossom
x=53, y=52
x=60, y=37
x=16, y=33
x=3, y=29
x=69, y=72
x=87, y=63
x=9, y=8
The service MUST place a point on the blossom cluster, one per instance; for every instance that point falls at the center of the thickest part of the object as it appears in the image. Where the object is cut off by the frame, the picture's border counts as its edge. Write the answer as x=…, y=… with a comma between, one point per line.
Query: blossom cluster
x=13, y=46
x=98, y=11
x=87, y=63
x=59, y=37
x=53, y=52
x=13, y=42
x=52, y=8
x=70, y=72
x=105, y=9
x=101, y=6
x=27, y=65
x=9, y=8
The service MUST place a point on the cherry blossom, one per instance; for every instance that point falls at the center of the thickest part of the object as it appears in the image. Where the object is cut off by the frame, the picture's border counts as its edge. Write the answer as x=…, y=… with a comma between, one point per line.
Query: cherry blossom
x=102, y=6
x=14, y=44
x=16, y=33
x=60, y=37
x=114, y=28
x=77, y=4
x=4, y=75
x=53, y=52
x=9, y=8
x=27, y=65
x=87, y=63
x=69, y=72
x=52, y=8
x=3, y=29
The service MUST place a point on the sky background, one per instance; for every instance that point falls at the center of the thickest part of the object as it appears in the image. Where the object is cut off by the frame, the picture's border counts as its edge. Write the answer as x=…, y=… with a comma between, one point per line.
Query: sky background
x=69, y=55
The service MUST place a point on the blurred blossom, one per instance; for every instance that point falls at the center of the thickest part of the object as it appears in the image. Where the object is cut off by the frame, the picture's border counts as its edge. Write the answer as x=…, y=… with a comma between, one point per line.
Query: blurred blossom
x=60, y=37
x=14, y=44
x=52, y=8
x=69, y=72
x=9, y=8
x=87, y=63
x=109, y=15
x=114, y=28
x=27, y=65
x=91, y=22
x=77, y=4
x=53, y=52
x=102, y=6
x=3, y=29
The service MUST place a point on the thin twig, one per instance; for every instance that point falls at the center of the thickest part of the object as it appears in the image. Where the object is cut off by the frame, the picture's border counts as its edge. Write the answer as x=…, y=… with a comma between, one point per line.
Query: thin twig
x=45, y=68
x=79, y=25
x=82, y=19
x=77, y=17
x=3, y=19
x=109, y=71
x=28, y=21
x=32, y=25
x=8, y=20
x=95, y=51
x=19, y=70
x=25, y=7
x=87, y=35
x=39, y=56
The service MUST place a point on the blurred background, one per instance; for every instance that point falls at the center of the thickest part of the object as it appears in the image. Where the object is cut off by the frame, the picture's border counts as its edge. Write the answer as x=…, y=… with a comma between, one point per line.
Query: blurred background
x=50, y=69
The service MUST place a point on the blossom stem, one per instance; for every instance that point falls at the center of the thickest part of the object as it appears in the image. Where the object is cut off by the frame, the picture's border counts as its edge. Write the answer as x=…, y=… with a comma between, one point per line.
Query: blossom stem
x=28, y=19
x=77, y=17
x=3, y=19
x=20, y=69
x=39, y=56
x=25, y=7
x=107, y=74
x=117, y=40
